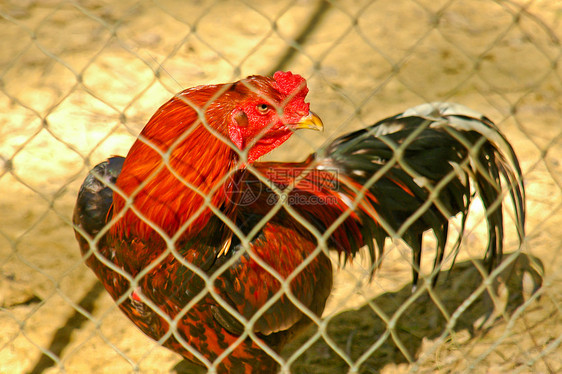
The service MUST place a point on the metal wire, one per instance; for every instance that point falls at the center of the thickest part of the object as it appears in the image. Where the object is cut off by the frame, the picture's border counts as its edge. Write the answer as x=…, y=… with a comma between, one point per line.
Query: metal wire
x=80, y=78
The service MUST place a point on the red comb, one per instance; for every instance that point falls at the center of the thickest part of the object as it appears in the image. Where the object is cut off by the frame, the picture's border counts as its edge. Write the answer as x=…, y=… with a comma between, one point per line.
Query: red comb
x=288, y=82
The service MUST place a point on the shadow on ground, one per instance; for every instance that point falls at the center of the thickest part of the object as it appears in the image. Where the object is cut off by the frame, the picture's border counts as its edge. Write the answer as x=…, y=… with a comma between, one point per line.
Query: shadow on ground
x=355, y=331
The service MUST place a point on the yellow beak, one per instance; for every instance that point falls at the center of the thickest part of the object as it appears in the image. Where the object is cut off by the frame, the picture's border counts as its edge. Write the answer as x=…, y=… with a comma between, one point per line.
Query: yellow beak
x=311, y=121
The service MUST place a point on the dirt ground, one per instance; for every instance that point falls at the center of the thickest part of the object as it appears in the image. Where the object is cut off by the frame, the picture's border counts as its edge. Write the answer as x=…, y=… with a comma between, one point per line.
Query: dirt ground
x=78, y=80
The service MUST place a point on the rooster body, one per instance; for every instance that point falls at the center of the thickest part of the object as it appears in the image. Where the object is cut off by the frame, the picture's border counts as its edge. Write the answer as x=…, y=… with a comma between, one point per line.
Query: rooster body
x=223, y=259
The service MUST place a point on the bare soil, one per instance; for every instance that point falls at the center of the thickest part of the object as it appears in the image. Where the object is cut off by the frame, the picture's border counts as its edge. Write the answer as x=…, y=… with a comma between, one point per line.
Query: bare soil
x=78, y=80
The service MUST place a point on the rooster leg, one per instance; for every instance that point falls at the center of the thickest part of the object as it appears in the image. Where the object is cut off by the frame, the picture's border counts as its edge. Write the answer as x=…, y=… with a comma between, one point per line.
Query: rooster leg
x=415, y=242
x=440, y=253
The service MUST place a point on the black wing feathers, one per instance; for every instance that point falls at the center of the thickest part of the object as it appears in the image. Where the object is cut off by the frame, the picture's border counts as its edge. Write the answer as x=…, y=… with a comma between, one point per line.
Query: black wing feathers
x=95, y=196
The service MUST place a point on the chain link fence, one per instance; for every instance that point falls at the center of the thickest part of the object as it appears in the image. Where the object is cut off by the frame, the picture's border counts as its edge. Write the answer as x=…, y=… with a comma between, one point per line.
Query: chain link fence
x=79, y=79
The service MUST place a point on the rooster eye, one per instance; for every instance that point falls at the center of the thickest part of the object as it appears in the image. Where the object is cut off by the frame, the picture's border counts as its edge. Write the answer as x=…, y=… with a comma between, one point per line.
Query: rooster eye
x=263, y=108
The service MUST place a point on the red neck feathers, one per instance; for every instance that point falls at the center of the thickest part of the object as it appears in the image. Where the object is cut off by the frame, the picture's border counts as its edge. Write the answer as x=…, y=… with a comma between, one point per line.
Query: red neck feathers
x=169, y=191
x=179, y=165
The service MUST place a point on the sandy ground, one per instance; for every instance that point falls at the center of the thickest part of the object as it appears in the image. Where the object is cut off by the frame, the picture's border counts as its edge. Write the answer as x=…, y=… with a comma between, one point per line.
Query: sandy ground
x=78, y=80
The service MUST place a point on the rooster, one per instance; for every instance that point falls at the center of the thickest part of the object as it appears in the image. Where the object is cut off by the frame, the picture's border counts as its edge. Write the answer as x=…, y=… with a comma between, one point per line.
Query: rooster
x=223, y=258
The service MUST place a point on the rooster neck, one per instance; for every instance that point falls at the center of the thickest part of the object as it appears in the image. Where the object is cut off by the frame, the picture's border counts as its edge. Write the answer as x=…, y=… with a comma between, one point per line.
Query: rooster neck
x=175, y=195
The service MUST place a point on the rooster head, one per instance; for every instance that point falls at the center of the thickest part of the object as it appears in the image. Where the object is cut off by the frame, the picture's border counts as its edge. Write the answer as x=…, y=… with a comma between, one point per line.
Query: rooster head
x=268, y=111
x=257, y=114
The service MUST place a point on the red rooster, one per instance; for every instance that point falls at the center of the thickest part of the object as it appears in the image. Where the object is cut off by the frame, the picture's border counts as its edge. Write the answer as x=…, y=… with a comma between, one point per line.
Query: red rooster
x=223, y=259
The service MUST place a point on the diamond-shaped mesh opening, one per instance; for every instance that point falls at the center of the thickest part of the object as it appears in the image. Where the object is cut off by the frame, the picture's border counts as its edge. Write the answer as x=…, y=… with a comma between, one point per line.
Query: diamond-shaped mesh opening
x=80, y=79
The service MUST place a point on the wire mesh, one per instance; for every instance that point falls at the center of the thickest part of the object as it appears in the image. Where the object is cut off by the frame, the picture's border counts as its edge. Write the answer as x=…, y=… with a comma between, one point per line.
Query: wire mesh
x=79, y=79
